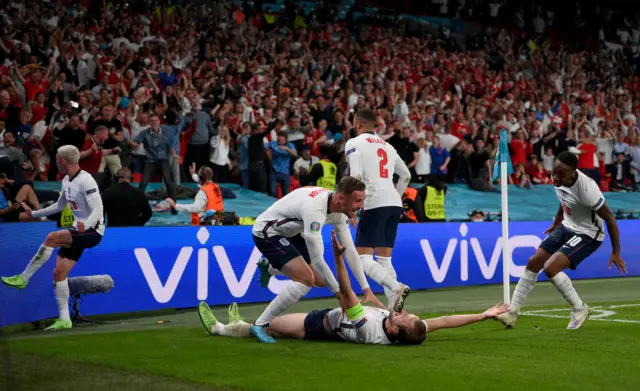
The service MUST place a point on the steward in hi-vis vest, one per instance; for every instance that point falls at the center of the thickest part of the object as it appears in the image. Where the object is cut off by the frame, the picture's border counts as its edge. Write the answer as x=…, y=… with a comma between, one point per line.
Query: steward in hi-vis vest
x=433, y=203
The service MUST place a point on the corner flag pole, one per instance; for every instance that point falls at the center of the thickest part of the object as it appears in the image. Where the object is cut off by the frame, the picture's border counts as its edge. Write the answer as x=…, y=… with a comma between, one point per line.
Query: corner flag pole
x=504, y=161
x=506, y=252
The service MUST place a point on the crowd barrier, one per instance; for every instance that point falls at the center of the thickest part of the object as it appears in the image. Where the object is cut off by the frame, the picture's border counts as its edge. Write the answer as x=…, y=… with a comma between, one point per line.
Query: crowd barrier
x=175, y=267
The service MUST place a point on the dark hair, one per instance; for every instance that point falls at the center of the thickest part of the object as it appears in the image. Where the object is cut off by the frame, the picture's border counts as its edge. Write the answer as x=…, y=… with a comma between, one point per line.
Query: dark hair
x=568, y=158
x=367, y=116
x=415, y=336
x=349, y=184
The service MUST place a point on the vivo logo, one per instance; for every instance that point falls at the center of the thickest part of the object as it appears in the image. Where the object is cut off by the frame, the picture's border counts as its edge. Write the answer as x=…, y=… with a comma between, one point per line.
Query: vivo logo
x=488, y=269
x=237, y=286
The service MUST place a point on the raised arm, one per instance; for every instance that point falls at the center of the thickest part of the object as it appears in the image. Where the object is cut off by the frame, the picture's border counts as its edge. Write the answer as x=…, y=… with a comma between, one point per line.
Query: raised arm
x=313, y=239
x=349, y=298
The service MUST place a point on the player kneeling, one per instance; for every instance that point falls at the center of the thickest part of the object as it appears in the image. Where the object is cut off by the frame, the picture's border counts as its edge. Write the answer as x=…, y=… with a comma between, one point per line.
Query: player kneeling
x=353, y=322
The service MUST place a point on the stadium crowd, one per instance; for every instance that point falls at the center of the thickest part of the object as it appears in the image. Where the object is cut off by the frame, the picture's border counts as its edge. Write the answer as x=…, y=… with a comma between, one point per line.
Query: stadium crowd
x=261, y=97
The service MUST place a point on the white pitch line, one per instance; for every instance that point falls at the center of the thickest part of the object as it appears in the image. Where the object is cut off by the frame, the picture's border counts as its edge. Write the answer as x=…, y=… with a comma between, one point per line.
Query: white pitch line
x=568, y=317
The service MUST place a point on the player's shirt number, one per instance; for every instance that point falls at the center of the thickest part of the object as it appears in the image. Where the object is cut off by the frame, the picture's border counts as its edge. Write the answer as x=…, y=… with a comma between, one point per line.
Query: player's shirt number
x=574, y=241
x=382, y=154
x=73, y=205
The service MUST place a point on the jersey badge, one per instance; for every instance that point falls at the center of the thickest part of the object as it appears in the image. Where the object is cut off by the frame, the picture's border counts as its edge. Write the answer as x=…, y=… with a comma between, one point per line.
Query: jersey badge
x=314, y=227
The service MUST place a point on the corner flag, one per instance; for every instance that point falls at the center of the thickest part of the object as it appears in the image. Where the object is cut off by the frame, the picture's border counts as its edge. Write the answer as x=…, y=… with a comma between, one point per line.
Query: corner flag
x=502, y=156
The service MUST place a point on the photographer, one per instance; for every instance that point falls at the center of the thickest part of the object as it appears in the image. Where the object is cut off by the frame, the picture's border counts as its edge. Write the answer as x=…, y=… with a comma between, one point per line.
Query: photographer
x=208, y=198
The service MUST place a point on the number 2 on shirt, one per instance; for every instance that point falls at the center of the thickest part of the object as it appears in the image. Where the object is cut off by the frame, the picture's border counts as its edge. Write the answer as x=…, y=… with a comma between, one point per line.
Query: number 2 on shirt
x=382, y=154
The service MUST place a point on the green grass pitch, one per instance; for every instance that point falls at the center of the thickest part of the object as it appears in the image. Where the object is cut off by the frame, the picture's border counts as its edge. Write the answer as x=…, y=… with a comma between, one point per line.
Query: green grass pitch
x=539, y=354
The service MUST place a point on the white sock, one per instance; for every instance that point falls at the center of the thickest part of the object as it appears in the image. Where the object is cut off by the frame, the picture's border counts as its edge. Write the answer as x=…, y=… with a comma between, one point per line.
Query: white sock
x=378, y=274
x=285, y=299
x=565, y=287
x=274, y=272
x=238, y=329
x=61, y=291
x=525, y=285
x=385, y=262
x=41, y=257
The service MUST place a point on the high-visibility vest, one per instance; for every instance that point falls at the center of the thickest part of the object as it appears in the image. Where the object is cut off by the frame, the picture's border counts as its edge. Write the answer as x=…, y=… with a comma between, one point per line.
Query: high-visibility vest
x=66, y=217
x=247, y=220
x=411, y=194
x=434, y=204
x=329, y=173
x=214, y=201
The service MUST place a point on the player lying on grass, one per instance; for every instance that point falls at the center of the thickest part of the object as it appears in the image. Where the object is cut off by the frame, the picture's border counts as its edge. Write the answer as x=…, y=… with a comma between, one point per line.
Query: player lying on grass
x=354, y=323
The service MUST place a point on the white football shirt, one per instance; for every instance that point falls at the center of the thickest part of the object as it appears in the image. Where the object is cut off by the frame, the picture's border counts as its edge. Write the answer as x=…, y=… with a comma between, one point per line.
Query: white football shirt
x=82, y=194
x=305, y=211
x=374, y=161
x=368, y=329
x=580, y=203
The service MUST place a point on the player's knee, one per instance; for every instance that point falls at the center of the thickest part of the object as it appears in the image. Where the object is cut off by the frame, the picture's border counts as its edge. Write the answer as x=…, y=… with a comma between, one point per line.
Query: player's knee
x=535, y=263
x=57, y=275
x=51, y=240
x=552, y=268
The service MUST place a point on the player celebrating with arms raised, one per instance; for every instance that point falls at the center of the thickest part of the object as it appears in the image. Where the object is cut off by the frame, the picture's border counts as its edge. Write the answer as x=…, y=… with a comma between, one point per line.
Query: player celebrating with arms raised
x=575, y=234
x=289, y=236
x=375, y=161
x=80, y=191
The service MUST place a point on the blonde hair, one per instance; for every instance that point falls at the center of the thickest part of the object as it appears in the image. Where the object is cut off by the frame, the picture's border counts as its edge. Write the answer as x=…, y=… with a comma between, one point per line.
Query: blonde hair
x=69, y=153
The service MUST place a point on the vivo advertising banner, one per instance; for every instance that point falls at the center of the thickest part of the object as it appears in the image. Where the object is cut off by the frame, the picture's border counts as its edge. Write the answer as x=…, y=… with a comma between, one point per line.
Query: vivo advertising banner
x=176, y=267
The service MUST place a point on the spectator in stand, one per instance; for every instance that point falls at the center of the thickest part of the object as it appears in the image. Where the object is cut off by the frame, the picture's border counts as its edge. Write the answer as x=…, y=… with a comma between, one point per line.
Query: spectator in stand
x=93, y=151
x=9, y=113
x=12, y=161
x=124, y=205
x=540, y=176
x=587, y=157
x=423, y=167
x=407, y=150
x=520, y=177
x=634, y=162
x=480, y=168
x=220, y=162
x=519, y=148
x=256, y=154
x=158, y=146
x=548, y=159
x=282, y=152
x=440, y=159
x=199, y=149
x=620, y=174
x=302, y=166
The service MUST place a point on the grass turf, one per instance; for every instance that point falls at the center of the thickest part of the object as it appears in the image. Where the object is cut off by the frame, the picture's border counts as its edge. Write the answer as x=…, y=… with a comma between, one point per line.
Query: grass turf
x=539, y=354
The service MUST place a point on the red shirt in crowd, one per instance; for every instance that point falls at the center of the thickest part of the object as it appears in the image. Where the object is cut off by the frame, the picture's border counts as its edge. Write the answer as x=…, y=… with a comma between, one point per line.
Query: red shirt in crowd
x=587, y=155
x=519, y=152
x=310, y=138
x=91, y=164
x=33, y=89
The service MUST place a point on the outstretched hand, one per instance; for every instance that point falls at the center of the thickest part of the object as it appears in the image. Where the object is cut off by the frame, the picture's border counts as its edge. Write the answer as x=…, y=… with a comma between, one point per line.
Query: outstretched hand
x=496, y=310
x=369, y=297
x=338, y=249
x=616, y=259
